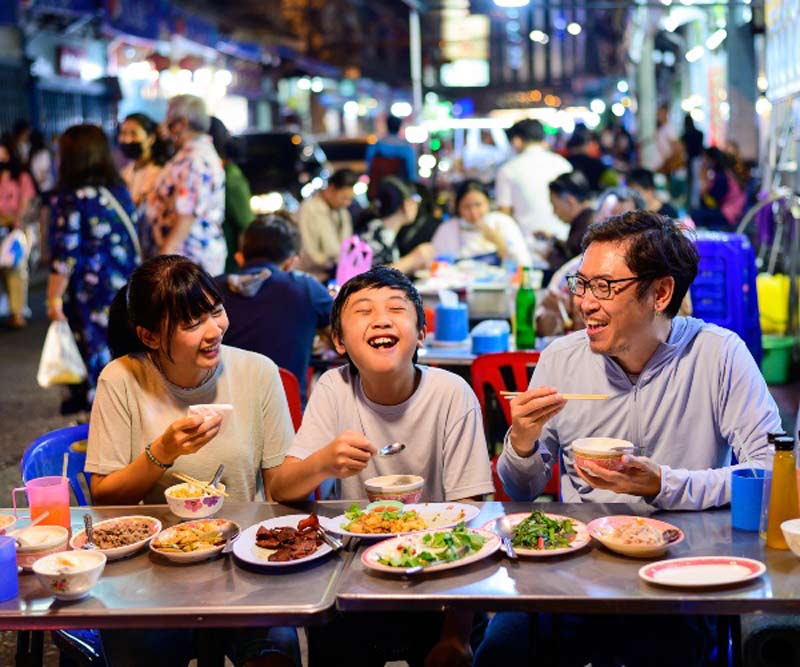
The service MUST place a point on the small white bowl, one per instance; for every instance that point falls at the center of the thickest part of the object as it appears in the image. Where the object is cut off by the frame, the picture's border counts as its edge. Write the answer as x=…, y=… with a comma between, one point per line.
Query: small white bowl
x=405, y=488
x=70, y=575
x=39, y=541
x=115, y=553
x=604, y=452
x=199, y=507
x=791, y=533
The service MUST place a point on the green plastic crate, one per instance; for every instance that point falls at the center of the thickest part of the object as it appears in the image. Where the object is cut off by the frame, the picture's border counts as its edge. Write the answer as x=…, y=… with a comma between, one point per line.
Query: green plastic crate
x=777, y=360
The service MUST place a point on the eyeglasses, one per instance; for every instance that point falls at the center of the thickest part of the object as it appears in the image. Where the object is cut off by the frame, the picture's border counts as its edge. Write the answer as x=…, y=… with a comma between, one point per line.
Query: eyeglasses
x=600, y=287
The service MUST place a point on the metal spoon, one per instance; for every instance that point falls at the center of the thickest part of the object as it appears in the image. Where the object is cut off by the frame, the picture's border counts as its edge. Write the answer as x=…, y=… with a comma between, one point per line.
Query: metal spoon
x=87, y=524
x=217, y=476
x=393, y=448
x=670, y=535
x=505, y=530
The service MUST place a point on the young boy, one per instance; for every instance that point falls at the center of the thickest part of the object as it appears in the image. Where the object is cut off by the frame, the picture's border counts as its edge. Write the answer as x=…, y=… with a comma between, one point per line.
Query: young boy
x=383, y=396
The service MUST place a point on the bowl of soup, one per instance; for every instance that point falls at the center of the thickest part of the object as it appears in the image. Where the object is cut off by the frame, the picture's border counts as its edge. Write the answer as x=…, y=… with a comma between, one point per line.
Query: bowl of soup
x=190, y=501
x=38, y=541
x=70, y=575
x=604, y=452
x=404, y=488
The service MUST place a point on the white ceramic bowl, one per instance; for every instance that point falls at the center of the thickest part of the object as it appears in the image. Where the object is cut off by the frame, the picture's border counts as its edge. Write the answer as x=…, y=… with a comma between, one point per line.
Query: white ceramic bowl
x=405, y=488
x=39, y=541
x=70, y=575
x=197, y=507
x=7, y=522
x=791, y=533
x=115, y=553
x=604, y=452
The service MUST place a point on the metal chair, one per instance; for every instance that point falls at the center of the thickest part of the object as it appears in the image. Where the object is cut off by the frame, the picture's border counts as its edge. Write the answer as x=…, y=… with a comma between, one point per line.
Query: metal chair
x=507, y=371
x=45, y=456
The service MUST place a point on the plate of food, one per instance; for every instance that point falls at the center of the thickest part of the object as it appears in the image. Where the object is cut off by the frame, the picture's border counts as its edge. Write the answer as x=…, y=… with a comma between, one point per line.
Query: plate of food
x=390, y=521
x=121, y=536
x=284, y=540
x=702, y=571
x=637, y=536
x=194, y=541
x=543, y=534
x=431, y=550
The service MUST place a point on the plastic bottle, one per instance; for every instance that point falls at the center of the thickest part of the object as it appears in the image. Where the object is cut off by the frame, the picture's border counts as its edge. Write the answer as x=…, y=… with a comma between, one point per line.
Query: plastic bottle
x=783, y=494
x=525, y=335
x=768, y=463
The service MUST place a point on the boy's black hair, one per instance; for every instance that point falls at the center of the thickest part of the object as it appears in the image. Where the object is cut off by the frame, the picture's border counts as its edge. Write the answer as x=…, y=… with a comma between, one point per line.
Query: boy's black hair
x=375, y=278
x=270, y=237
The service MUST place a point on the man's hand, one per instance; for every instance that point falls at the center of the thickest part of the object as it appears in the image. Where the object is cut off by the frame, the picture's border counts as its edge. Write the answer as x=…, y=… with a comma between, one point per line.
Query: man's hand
x=640, y=476
x=347, y=455
x=530, y=411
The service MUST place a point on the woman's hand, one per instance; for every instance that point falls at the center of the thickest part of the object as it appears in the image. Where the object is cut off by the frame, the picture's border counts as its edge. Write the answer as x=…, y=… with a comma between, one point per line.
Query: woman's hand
x=55, y=310
x=530, y=411
x=185, y=436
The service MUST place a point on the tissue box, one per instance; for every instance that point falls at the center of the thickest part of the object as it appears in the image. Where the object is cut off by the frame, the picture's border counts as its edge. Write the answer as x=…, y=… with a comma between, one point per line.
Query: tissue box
x=452, y=323
x=490, y=336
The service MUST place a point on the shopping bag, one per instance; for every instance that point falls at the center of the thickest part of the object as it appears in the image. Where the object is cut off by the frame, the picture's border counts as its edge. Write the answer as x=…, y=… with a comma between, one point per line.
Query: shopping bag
x=355, y=258
x=13, y=249
x=61, y=362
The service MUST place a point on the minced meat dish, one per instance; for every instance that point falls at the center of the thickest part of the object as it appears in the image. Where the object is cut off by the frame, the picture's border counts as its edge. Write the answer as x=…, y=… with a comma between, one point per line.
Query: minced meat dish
x=122, y=533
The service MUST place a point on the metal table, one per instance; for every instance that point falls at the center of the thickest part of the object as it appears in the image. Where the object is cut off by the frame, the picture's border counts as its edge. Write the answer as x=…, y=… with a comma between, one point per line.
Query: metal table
x=591, y=580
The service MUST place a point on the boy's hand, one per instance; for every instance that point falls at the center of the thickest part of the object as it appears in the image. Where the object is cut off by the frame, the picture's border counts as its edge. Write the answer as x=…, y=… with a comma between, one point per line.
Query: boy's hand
x=347, y=455
x=529, y=413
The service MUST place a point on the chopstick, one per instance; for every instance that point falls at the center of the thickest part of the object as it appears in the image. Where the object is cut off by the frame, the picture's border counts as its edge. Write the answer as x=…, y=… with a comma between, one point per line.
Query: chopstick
x=214, y=491
x=508, y=395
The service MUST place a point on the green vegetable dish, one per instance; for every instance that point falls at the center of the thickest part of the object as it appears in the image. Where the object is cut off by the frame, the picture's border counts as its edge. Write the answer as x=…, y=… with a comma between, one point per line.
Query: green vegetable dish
x=436, y=548
x=539, y=531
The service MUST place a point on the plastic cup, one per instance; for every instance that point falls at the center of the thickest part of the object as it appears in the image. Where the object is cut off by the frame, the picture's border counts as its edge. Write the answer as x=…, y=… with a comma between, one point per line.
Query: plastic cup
x=9, y=583
x=747, y=486
x=47, y=494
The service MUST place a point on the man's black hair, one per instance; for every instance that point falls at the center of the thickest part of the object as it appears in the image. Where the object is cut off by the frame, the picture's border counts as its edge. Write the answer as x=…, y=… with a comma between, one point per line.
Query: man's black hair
x=393, y=124
x=574, y=183
x=657, y=247
x=375, y=278
x=270, y=237
x=529, y=130
x=343, y=178
x=642, y=177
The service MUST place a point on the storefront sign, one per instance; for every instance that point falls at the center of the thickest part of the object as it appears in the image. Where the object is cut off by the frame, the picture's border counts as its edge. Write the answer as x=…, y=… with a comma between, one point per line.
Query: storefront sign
x=783, y=48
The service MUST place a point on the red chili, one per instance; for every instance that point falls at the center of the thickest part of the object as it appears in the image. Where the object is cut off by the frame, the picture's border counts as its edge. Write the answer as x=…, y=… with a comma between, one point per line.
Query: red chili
x=541, y=542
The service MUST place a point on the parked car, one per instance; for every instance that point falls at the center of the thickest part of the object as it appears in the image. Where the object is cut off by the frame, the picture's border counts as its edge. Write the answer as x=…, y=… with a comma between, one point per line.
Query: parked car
x=282, y=168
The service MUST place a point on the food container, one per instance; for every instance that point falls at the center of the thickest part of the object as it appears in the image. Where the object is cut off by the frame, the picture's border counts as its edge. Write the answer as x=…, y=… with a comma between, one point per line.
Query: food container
x=39, y=541
x=604, y=452
x=7, y=522
x=405, y=488
x=452, y=323
x=490, y=336
x=198, y=506
x=791, y=533
x=70, y=575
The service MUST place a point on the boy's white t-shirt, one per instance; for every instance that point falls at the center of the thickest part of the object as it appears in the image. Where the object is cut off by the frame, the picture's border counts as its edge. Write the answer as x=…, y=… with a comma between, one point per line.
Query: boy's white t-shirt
x=440, y=424
x=135, y=404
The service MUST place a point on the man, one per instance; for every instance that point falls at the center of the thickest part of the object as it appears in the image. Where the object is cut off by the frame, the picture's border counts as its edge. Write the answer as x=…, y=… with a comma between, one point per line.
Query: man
x=187, y=206
x=570, y=198
x=686, y=393
x=521, y=186
x=273, y=310
x=643, y=181
x=325, y=222
x=578, y=156
x=391, y=156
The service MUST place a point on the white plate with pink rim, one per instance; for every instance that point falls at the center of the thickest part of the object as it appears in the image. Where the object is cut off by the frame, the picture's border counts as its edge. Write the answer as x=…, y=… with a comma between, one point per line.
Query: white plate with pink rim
x=581, y=539
x=702, y=571
x=371, y=556
x=153, y=527
x=437, y=516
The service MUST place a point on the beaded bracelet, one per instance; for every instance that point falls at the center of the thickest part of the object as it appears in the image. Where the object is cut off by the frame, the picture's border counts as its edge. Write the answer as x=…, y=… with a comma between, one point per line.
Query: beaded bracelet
x=151, y=457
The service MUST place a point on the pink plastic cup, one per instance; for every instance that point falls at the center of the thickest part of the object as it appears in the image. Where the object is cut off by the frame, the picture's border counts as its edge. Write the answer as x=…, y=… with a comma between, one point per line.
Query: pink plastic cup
x=46, y=494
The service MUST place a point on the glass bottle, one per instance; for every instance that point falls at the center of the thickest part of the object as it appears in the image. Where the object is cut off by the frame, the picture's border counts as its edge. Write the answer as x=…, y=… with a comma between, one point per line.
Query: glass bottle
x=765, y=492
x=525, y=335
x=783, y=494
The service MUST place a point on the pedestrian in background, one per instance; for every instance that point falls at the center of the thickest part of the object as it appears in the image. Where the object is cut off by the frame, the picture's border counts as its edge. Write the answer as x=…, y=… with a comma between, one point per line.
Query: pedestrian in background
x=94, y=248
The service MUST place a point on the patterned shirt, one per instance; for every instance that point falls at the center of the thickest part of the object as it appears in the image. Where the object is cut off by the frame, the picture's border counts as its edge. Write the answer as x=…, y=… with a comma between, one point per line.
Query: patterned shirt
x=193, y=183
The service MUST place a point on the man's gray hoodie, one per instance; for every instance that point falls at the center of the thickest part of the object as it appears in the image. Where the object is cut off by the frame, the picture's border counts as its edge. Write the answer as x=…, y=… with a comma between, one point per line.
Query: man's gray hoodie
x=699, y=397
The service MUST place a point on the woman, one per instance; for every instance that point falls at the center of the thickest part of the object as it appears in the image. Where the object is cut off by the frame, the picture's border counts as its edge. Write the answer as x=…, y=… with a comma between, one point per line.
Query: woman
x=479, y=231
x=395, y=206
x=165, y=330
x=16, y=193
x=94, y=248
x=139, y=143
x=722, y=199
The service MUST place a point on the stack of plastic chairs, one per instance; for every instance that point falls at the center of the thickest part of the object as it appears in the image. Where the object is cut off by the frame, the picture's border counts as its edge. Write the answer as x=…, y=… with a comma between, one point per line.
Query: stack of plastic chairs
x=724, y=292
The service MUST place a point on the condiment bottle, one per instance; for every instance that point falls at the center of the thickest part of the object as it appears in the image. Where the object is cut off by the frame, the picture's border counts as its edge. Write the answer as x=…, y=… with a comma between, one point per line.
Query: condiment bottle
x=525, y=333
x=783, y=494
x=765, y=492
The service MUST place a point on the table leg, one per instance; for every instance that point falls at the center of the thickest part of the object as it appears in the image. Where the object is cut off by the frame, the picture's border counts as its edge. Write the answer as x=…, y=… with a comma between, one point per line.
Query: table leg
x=210, y=647
x=30, y=648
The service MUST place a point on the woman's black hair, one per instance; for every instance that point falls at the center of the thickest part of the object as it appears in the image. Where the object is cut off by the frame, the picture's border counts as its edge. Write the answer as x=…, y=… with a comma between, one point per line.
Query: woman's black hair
x=163, y=293
x=85, y=159
x=375, y=278
x=15, y=167
x=465, y=187
x=574, y=183
x=392, y=192
x=160, y=151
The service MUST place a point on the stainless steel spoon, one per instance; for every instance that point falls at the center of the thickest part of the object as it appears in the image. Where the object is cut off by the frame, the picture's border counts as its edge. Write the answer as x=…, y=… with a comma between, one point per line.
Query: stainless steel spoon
x=217, y=475
x=670, y=535
x=87, y=524
x=505, y=530
x=392, y=448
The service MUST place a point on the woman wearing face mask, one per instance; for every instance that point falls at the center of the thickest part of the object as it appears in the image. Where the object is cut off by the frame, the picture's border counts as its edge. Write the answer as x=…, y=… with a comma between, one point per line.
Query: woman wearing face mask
x=140, y=144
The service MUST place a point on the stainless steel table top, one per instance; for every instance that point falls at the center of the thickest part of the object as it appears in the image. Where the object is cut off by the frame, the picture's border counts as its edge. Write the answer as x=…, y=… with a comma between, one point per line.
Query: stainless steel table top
x=592, y=580
x=147, y=591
